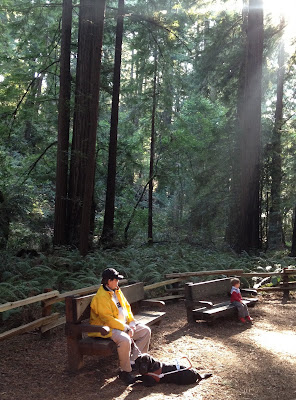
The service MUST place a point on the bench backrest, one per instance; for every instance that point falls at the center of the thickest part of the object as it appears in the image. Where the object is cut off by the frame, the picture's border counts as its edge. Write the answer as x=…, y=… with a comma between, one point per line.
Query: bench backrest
x=78, y=307
x=208, y=289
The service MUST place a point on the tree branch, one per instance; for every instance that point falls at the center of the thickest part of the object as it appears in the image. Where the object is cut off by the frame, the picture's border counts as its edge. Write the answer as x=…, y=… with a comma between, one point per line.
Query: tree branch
x=27, y=91
x=136, y=206
x=38, y=159
x=138, y=17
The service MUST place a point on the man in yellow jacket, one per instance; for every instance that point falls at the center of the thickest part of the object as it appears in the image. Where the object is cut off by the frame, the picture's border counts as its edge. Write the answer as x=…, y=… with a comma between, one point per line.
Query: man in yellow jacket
x=110, y=307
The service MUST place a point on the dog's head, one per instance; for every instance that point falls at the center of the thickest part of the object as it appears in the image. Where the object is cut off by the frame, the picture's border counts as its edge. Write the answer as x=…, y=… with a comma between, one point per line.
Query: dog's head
x=146, y=363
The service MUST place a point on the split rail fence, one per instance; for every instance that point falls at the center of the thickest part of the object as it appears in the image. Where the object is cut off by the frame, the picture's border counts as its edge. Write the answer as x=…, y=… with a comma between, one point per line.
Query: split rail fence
x=51, y=320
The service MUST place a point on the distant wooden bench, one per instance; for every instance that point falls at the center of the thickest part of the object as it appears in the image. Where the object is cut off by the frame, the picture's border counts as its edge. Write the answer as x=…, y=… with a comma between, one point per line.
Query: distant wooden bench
x=78, y=311
x=206, y=300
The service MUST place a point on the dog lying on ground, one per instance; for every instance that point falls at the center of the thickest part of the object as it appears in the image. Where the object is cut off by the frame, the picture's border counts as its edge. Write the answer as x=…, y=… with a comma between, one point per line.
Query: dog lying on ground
x=150, y=369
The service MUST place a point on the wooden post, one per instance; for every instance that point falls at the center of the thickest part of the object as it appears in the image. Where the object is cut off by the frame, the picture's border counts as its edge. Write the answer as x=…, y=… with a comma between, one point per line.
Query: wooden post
x=46, y=310
x=175, y=286
x=189, y=302
x=75, y=358
x=286, y=293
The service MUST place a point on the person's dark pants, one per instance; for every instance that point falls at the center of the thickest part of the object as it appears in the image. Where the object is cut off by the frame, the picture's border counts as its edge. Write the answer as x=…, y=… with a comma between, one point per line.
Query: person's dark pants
x=242, y=308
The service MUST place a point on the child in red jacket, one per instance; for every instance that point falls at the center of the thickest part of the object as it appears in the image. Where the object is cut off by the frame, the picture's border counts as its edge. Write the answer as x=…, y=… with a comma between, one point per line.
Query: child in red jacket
x=237, y=300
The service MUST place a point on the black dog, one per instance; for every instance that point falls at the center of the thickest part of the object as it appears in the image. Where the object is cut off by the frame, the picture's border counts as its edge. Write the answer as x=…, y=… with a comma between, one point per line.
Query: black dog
x=150, y=369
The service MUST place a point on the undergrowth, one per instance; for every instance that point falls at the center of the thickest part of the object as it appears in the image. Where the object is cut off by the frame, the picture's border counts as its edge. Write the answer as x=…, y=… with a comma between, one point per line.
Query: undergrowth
x=67, y=270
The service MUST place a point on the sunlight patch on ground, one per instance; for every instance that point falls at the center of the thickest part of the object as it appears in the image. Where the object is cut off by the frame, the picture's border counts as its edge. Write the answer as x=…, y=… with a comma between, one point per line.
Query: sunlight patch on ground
x=184, y=346
x=279, y=343
x=193, y=395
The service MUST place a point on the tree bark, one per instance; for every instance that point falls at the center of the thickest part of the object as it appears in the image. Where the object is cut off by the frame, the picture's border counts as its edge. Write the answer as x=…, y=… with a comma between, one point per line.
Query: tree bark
x=232, y=230
x=275, y=231
x=60, y=217
x=152, y=154
x=82, y=168
x=108, y=228
x=293, y=249
x=248, y=235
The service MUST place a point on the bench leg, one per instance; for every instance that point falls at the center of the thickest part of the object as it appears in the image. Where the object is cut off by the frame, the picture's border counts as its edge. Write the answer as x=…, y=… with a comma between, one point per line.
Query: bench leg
x=75, y=358
x=190, y=317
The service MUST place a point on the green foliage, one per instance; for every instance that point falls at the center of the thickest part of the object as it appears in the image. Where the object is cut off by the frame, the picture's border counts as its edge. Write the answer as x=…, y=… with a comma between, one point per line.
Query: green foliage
x=67, y=270
x=200, y=53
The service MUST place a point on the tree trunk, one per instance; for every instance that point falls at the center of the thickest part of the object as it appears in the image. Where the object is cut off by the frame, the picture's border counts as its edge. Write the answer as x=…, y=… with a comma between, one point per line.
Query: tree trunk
x=108, y=228
x=293, y=249
x=232, y=231
x=152, y=153
x=60, y=216
x=275, y=231
x=4, y=222
x=248, y=235
x=82, y=168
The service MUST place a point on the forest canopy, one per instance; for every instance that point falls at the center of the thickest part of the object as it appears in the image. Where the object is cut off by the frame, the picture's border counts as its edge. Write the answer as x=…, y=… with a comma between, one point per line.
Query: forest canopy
x=147, y=121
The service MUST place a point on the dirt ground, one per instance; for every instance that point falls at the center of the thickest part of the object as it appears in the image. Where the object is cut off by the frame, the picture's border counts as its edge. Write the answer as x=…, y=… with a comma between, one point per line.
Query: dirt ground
x=247, y=362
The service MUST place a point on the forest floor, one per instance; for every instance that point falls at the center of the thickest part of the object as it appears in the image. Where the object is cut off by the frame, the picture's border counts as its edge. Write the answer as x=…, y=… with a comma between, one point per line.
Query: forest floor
x=248, y=362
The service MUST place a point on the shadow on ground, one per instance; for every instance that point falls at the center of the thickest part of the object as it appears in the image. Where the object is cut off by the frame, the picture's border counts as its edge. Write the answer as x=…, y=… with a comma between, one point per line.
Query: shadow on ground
x=241, y=360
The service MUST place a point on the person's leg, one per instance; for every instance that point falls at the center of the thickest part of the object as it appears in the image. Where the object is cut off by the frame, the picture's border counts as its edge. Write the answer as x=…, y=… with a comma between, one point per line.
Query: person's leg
x=141, y=339
x=123, y=342
x=247, y=314
x=240, y=308
x=246, y=311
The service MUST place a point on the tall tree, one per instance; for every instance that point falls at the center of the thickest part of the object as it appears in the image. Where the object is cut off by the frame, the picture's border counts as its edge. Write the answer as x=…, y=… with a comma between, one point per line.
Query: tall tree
x=152, y=154
x=82, y=168
x=275, y=233
x=4, y=222
x=250, y=138
x=293, y=249
x=63, y=127
x=232, y=229
x=108, y=228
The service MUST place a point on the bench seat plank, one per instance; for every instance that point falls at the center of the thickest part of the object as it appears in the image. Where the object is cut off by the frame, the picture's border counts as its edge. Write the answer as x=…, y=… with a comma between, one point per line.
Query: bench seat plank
x=149, y=317
x=96, y=346
x=219, y=310
x=105, y=347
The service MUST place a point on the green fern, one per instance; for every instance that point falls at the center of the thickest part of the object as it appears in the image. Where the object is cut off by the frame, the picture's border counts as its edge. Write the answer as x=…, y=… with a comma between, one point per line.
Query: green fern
x=66, y=270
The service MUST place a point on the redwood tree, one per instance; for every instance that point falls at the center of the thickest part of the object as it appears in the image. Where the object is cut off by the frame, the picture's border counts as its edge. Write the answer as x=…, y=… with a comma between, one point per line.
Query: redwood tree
x=293, y=249
x=152, y=155
x=250, y=136
x=275, y=233
x=82, y=168
x=63, y=127
x=108, y=228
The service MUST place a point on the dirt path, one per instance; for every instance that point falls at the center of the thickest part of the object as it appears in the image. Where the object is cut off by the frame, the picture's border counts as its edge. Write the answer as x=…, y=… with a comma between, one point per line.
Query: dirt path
x=257, y=362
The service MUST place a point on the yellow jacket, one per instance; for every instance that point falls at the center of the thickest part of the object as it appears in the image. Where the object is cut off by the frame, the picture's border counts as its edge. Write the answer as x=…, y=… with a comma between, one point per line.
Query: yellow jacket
x=103, y=311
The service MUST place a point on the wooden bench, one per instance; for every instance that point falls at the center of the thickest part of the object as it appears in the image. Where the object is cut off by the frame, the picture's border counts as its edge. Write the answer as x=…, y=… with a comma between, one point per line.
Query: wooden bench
x=78, y=310
x=206, y=300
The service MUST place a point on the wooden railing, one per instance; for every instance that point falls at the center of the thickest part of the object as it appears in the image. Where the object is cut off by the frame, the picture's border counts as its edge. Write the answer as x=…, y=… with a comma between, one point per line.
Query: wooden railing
x=51, y=320
x=285, y=286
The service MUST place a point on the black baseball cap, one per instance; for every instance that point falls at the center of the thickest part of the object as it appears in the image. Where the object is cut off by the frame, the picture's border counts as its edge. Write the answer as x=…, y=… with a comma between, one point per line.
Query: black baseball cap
x=111, y=273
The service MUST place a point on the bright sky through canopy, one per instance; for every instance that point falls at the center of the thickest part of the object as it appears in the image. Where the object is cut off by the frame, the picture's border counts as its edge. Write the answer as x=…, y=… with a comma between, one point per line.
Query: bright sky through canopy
x=283, y=9
x=275, y=9
x=280, y=7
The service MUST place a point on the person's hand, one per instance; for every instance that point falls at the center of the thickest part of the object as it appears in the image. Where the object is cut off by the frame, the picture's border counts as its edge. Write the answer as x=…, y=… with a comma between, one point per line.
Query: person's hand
x=129, y=331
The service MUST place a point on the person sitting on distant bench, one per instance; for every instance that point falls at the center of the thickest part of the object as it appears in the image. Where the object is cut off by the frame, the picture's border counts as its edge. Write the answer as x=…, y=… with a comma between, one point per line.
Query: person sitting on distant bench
x=237, y=300
x=110, y=307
